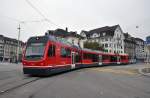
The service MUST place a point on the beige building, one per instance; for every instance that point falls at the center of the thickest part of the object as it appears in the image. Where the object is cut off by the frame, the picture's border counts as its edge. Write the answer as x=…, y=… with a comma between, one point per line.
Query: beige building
x=140, y=53
x=147, y=49
x=147, y=53
x=130, y=47
x=8, y=49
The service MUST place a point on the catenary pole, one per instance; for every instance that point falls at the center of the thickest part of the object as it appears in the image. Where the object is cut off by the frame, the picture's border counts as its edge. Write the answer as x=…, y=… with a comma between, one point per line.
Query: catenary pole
x=18, y=47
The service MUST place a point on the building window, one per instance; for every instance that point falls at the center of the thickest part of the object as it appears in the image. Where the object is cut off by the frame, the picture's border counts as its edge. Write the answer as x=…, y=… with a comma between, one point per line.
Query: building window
x=73, y=41
x=110, y=51
x=117, y=35
x=106, y=39
x=104, y=34
x=103, y=45
x=106, y=50
x=97, y=40
x=102, y=39
x=109, y=45
x=106, y=45
x=121, y=47
x=114, y=46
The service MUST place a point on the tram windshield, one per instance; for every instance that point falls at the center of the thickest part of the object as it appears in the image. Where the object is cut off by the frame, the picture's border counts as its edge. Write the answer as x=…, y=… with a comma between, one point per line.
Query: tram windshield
x=35, y=51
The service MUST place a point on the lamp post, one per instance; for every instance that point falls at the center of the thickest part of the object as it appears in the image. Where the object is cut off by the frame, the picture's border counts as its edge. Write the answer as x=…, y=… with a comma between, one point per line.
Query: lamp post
x=136, y=47
x=18, y=47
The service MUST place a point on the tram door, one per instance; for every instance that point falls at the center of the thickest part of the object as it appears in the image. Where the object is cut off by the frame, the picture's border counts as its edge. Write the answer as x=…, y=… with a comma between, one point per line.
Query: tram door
x=72, y=60
x=118, y=59
x=100, y=59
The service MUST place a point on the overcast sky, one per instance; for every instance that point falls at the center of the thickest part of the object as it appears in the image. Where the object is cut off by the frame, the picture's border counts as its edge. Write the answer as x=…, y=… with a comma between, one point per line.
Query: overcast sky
x=77, y=15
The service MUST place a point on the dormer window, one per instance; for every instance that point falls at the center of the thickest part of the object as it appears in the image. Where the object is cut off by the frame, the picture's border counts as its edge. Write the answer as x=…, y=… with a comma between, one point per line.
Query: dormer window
x=95, y=35
x=83, y=34
x=104, y=33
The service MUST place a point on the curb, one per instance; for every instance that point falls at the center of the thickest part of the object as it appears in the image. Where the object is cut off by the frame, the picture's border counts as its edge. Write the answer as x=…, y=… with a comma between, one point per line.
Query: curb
x=141, y=71
x=6, y=63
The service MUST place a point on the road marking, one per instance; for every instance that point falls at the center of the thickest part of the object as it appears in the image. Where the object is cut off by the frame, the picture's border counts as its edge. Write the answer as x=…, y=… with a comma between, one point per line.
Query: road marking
x=117, y=71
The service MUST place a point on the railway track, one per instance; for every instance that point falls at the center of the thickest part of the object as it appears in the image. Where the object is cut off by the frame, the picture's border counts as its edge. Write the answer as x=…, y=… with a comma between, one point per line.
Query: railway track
x=18, y=85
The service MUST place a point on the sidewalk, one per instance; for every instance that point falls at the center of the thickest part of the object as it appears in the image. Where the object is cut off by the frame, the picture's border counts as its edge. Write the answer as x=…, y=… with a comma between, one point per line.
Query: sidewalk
x=145, y=70
x=7, y=63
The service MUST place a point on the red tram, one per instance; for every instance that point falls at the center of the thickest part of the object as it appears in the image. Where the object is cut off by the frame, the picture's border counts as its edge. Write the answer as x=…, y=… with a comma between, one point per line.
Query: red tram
x=46, y=55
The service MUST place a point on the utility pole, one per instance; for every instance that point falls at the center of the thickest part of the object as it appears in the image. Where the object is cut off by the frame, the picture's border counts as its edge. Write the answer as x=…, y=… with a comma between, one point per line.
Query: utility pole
x=18, y=47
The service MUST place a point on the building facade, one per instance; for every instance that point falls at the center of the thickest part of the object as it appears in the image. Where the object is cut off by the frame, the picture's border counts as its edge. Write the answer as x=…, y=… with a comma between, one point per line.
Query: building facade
x=148, y=40
x=8, y=49
x=71, y=37
x=140, y=53
x=147, y=49
x=130, y=47
x=1, y=47
x=110, y=37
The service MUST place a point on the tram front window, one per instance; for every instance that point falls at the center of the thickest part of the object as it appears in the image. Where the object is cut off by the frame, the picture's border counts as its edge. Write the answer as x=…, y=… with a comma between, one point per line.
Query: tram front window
x=34, y=51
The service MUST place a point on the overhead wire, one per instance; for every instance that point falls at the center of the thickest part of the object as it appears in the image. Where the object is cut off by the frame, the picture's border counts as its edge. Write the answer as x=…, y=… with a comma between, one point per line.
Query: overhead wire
x=41, y=14
x=23, y=21
x=10, y=18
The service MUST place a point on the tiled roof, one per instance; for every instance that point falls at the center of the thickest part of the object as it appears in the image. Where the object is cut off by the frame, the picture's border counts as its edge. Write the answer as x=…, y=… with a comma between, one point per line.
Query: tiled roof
x=109, y=30
x=127, y=35
x=10, y=39
x=64, y=33
x=139, y=39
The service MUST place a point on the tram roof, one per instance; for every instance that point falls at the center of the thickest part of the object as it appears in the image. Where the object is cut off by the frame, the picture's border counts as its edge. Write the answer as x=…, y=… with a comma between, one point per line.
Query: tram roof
x=62, y=40
x=51, y=38
x=90, y=50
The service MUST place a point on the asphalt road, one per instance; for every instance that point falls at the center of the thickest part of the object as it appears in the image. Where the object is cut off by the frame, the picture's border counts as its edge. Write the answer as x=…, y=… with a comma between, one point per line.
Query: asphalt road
x=100, y=82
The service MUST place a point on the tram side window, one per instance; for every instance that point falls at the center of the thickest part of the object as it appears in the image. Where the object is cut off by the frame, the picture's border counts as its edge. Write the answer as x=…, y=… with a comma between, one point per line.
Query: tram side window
x=78, y=57
x=87, y=56
x=113, y=58
x=68, y=53
x=105, y=57
x=51, y=51
x=95, y=58
x=65, y=52
x=124, y=57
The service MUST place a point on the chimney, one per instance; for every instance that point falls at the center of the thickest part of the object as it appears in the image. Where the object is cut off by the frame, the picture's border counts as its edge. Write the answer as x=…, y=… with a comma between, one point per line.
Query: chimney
x=66, y=29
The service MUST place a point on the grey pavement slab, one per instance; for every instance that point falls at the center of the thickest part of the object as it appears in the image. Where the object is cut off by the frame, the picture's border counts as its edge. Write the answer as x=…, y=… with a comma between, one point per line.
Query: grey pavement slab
x=83, y=83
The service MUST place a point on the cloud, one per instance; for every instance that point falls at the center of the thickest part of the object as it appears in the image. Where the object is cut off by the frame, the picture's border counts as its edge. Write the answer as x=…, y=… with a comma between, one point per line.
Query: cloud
x=76, y=15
